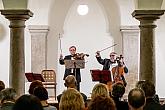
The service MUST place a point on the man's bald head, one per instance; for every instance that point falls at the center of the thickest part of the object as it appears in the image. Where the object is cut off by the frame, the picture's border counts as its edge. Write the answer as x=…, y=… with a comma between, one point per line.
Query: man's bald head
x=70, y=81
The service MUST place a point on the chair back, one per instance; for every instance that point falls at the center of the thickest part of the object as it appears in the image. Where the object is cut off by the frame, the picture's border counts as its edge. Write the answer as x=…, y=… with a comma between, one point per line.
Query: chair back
x=49, y=75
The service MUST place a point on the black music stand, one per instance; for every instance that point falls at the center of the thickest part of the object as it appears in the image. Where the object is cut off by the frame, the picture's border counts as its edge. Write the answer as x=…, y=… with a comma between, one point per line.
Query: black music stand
x=101, y=75
x=34, y=76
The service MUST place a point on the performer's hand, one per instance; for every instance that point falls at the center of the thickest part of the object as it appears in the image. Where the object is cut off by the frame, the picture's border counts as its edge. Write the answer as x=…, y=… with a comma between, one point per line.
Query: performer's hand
x=61, y=56
x=98, y=54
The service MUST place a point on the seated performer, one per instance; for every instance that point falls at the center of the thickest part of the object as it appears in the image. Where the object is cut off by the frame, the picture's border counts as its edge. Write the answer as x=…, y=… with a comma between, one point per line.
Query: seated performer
x=119, y=71
x=108, y=64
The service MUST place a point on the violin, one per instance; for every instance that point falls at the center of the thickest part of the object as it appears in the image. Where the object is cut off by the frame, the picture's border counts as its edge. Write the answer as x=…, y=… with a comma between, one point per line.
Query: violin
x=80, y=56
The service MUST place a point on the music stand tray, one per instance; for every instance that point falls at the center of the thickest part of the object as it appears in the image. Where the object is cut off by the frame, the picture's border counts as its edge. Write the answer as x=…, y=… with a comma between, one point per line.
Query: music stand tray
x=34, y=76
x=101, y=75
x=74, y=64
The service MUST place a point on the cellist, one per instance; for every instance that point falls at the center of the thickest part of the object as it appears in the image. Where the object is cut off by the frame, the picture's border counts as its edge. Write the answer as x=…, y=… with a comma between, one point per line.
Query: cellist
x=119, y=71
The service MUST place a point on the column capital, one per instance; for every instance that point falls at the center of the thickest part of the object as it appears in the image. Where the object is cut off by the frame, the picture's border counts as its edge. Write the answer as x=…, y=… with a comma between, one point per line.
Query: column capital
x=18, y=17
x=147, y=14
x=17, y=14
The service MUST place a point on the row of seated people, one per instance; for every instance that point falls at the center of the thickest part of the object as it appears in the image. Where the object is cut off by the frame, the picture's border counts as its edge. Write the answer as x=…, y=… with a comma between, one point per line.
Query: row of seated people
x=35, y=100
x=142, y=97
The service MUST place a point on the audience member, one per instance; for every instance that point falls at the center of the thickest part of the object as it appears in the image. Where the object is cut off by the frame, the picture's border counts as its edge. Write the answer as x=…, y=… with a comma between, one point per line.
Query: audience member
x=42, y=94
x=8, y=97
x=71, y=100
x=70, y=82
x=102, y=103
x=139, y=85
x=118, y=90
x=149, y=91
x=27, y=102
x=34, y=84
x=136, y=99
x=100, y=89
x=2, y=85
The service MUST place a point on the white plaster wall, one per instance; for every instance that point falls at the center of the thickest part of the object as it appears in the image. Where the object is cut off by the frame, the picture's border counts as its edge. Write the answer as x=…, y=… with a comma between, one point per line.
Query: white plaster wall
x=88, y=34
x=160, y=56
x=126, y=9
x=40, y=8
x=4, y=50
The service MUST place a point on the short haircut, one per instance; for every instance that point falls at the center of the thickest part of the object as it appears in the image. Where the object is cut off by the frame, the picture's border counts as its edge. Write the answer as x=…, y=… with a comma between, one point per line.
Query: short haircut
x=34, y=84
x=102, y=103
x=70, y=81
x=118, y=90
x=2, y=85
x=41, y=93
x=136, y=98
x=27, y=102
x=148, y=87
x=139, y=84
x=8, y=94
x=72, y=47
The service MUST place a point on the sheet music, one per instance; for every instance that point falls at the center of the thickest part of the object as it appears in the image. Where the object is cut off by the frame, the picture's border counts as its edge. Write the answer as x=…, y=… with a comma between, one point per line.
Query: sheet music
x=74, y=64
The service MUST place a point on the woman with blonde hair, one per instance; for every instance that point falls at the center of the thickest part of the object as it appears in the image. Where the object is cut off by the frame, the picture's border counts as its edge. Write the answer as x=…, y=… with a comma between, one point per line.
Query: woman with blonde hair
x=100, y=89
x=71, y=100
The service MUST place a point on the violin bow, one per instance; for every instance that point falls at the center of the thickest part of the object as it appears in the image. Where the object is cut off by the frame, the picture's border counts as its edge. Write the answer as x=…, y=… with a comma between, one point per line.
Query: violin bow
x=60, y=43
x=108, y=47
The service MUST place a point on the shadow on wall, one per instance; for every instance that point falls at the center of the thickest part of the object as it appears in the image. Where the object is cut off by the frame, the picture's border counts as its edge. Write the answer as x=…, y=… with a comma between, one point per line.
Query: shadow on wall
x=2, y=32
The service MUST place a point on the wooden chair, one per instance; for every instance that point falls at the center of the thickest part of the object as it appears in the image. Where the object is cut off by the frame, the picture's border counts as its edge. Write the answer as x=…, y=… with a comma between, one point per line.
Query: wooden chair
x=50, y=80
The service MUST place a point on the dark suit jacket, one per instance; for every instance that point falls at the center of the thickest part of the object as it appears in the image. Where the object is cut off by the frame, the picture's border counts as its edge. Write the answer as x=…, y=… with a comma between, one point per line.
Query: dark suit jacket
x=106, y=66
x=120, y=105
x=68, y=71
x=107, y=62
x=151, y=105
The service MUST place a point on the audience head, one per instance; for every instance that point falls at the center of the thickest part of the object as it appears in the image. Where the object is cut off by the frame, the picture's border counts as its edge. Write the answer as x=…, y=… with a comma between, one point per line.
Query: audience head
x=41, y=93
x=8, y=94
x=118, y=90
x=70, y=81
x=27, y=102
x=34, y=84
x=100, y=89
x=102, y=103
x=136, y=98
x=139, y=83
x=71, y=100
x=148, y=88
x=2, y=85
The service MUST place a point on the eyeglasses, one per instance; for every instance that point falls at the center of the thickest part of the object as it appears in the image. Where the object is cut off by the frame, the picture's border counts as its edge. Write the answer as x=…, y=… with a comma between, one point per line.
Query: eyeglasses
x=72, y=50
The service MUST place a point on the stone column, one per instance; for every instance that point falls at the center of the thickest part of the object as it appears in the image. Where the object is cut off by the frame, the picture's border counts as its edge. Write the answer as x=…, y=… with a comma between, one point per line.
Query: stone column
x=17, y=20
x=147, y=42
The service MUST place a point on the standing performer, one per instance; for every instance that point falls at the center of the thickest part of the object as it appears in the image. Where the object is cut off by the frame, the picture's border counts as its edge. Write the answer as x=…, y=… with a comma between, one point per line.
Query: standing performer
x=69, y=71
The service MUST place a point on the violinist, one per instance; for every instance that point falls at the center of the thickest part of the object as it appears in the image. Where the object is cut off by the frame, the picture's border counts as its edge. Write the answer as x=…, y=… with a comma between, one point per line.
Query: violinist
x=71, y=71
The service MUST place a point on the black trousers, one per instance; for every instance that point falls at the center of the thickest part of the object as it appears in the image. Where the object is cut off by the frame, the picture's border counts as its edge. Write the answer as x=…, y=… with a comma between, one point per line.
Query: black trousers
x=78, y=86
